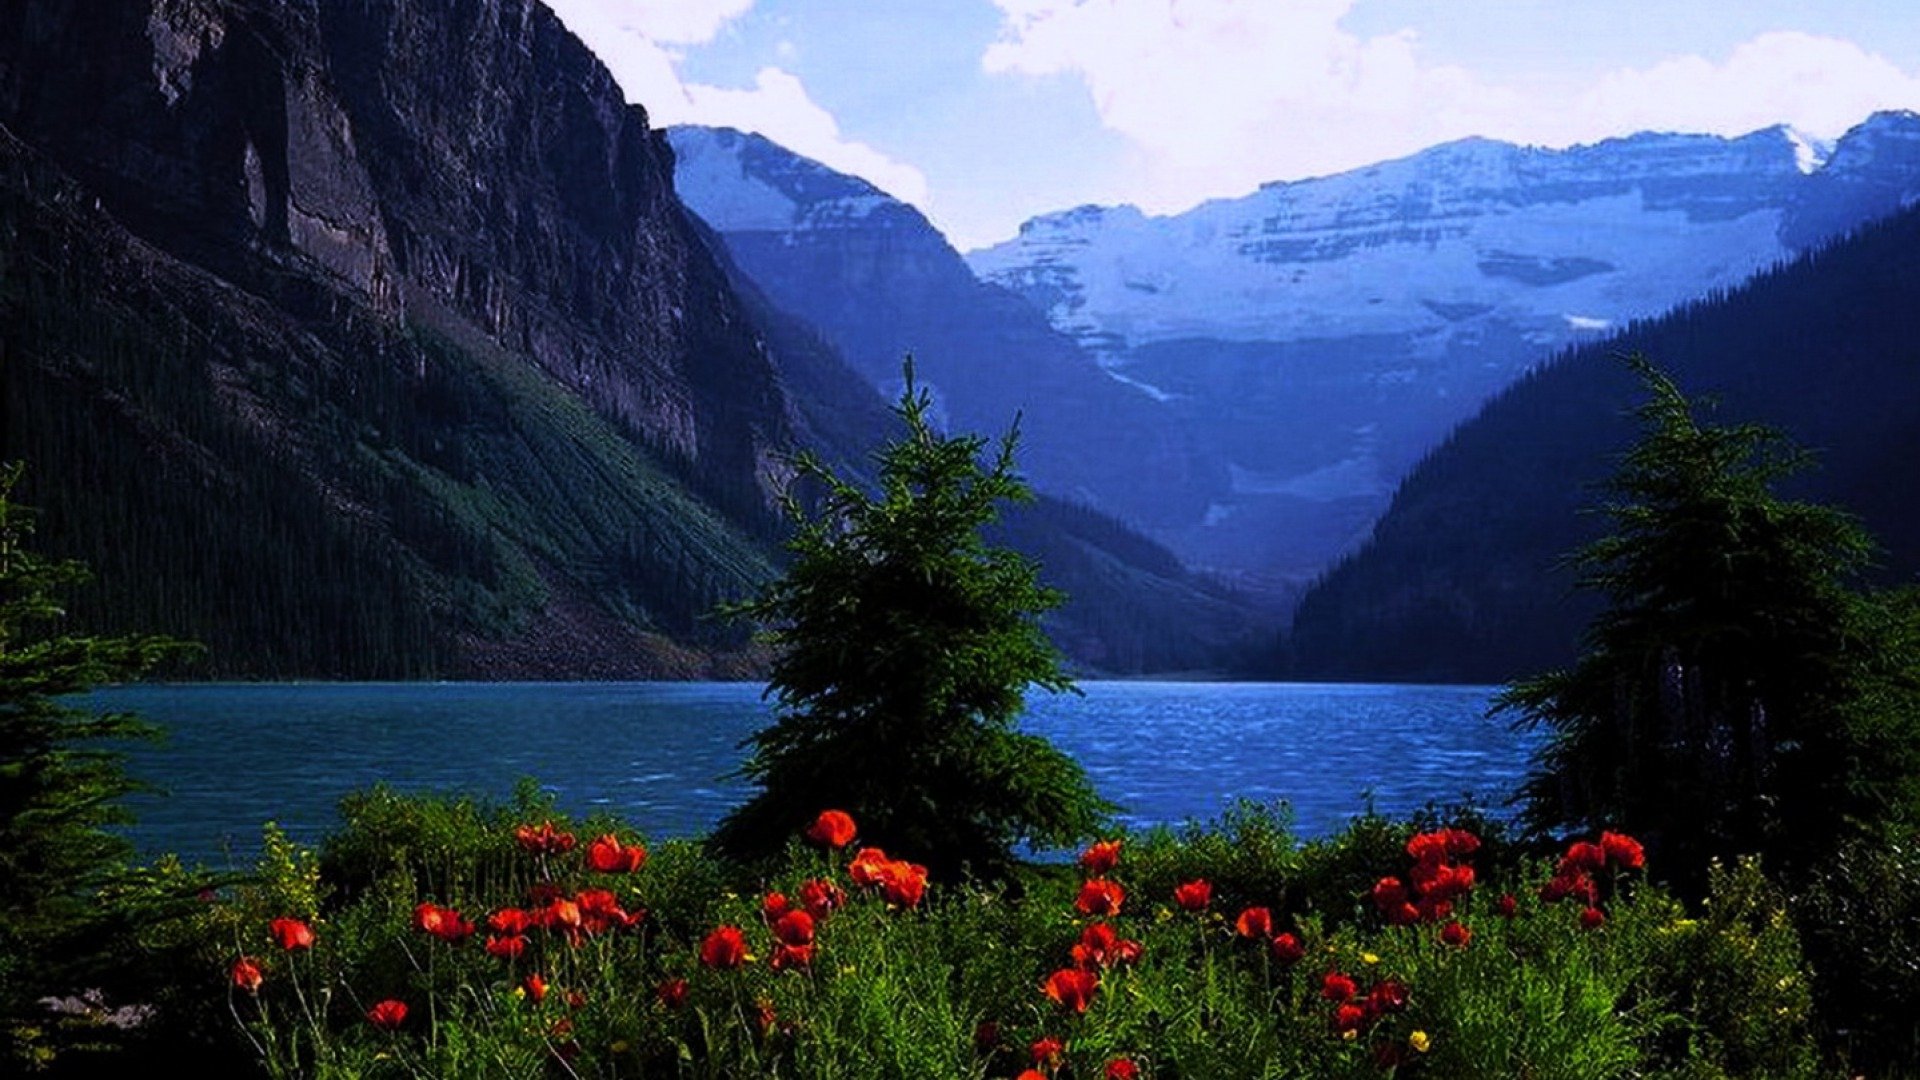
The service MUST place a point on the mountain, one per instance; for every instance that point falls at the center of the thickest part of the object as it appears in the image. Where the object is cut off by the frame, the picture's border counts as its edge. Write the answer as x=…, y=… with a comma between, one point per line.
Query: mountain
x=368, y=338
x=1326, y=333
x=866, y=275
x=1461, y=579
x=876, y=279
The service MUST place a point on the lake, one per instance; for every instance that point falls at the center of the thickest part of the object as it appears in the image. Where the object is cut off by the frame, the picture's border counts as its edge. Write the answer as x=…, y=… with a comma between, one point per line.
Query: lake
x=658, y=754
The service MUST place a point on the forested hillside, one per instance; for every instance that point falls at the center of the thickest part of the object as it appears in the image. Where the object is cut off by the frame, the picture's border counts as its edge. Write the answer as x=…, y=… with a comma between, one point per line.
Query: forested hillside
x=1460, y=579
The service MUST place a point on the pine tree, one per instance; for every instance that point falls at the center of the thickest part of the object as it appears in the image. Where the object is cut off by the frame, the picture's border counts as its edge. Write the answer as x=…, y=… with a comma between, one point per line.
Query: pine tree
x=1739, y=694
x=907, y=645
x=59, y=786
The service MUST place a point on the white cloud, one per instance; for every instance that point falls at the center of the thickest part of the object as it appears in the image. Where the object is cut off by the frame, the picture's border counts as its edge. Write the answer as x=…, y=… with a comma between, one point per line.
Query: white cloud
x=1220, y=95
x=1820, y=84
x=643, y=43
x=1224, y=94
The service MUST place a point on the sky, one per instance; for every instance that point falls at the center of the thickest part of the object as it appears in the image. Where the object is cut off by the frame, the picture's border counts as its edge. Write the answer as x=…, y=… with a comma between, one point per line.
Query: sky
x=984, y=113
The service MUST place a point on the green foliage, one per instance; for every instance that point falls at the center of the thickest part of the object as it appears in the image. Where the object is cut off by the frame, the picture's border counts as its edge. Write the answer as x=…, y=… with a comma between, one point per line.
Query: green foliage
x=1860, y=915
x=1735, y=697
x=907, y=645
x=60, y=782
x=897, y=991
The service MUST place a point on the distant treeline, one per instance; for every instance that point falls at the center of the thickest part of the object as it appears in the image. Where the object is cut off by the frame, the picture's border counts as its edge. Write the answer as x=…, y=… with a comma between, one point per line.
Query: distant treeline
x=1462, y=580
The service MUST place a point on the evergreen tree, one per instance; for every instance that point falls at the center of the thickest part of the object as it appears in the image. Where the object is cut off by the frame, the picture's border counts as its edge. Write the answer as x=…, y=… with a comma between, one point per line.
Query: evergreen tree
x=907, y=644
x=59, y=787
x=1738, y=694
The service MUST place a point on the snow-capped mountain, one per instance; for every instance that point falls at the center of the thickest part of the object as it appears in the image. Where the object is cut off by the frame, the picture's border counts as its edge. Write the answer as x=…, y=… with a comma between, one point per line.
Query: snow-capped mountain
x=874, y=278
x=1328, y=332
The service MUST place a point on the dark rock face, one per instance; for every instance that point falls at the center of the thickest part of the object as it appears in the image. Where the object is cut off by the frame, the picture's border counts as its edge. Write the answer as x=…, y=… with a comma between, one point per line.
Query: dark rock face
x=410, y=273
x=441, y=160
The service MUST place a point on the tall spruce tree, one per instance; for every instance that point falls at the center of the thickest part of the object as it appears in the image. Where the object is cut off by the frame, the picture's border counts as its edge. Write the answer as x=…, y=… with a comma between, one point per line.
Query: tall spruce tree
x=1739, y=694
x=60, y=781
x=907, y=644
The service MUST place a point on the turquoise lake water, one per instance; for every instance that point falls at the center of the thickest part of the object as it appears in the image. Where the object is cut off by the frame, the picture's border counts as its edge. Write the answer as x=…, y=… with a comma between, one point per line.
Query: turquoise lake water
x=659, y=753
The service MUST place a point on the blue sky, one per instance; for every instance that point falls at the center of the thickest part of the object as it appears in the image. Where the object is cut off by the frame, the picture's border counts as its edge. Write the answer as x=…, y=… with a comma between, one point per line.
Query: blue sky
x=986, y=112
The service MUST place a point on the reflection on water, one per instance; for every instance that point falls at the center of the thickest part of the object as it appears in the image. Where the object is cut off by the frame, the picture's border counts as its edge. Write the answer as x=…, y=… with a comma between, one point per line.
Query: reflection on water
x=659, y=754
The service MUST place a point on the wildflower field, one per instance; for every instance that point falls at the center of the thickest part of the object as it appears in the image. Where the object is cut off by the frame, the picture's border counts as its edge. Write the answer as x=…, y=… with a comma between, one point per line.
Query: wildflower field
x=441, y=937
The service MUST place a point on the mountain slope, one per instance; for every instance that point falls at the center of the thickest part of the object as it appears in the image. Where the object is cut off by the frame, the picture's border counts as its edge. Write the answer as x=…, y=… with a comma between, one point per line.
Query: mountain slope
x=327, y=361
x=878, y=281
x=1325, y=334
x=369, y=339
x=1459, y=581
x=1131, y=606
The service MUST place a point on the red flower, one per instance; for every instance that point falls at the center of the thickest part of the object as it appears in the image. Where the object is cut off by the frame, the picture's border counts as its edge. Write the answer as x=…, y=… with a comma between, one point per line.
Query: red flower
x=1461, y=842
x=1047, y=1049
x=1569, y=883
x=773, y=905
x=1455, y=934
x=1072, y=988
x=1337, y=987
x=1403, y=914
x=1623, y=851
x=794, y=928
x=1254, y=922
x=832, y=829
x=1388, y=894
x=724, y=948
x=1428, y=848
x=506, y=948
x=1122, y=1069
x=1387, y=996
x=1127, y=951
x=510, y=921
x=1031, y=1074
x=600, y=911
x=1193, y=895
x=536, y=988
x=1349, y=1018
x=1592, y=919
x=820, y=897
x=443, y=923
x=247, y=975
x=388, y=1015
x=865, y=870
x=607, y=856
x=1506, y=905
x=291, y=934
x=1287, y=949
x=903, y=883
x=576, y=999
x=1100, y=897
x=1583, y=856
x=1100, y=857
x=672, y=994
x=544, y=840
x=562, y=914
x=1433, y=909
x=786, y=956
x=1095, y=947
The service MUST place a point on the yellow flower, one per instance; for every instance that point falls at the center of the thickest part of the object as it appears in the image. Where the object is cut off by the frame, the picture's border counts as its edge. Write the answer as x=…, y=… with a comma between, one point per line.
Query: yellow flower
x=1419, y=1041
x=1369, y=958
x=619, y=1047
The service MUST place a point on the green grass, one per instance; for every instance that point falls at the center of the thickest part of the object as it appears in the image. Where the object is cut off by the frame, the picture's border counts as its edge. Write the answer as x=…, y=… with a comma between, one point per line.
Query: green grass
x=903, y=992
